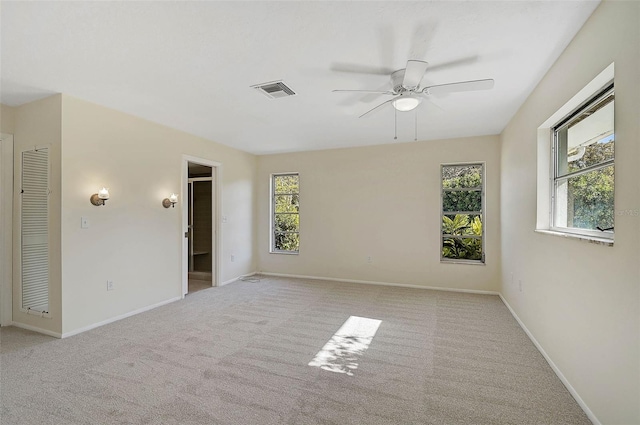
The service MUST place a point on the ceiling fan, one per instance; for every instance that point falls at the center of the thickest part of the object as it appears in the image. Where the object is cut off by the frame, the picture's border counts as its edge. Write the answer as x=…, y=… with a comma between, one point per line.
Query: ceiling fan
x=407, y=92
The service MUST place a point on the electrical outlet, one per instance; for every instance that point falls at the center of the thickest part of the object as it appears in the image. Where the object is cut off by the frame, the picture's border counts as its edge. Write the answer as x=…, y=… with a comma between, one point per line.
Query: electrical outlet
x=233, y=258
x=110, y=285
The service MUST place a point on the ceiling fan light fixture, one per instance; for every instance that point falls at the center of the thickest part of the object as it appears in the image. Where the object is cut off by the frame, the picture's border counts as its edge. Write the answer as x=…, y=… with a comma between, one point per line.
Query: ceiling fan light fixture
x=404, y=104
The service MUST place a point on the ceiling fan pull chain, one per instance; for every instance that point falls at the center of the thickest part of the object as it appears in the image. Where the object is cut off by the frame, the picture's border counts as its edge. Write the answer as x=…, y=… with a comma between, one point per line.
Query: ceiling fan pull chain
x=395, y=124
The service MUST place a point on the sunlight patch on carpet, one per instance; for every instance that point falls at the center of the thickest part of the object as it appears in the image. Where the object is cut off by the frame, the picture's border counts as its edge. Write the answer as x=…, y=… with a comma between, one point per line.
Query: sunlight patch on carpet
x=342, y=352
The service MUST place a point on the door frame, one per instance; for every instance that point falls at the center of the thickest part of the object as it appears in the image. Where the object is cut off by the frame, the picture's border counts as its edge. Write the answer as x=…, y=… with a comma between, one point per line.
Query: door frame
x=6, y=229
x=190, y=181
x=216, y=260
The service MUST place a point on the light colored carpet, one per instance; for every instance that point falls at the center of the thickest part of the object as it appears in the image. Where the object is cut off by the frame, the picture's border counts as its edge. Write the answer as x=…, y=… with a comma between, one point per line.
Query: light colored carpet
x=196, y=285
x=239, y=354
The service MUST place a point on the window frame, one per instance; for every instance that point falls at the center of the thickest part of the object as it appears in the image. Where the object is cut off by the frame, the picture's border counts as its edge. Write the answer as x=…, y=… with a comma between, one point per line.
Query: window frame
x=273, y=213
x=482, y=237
x=591, y=102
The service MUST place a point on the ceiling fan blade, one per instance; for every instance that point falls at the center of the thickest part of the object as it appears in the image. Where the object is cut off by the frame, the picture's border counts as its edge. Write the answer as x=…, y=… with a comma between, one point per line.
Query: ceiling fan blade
x=364, y=91
x=451, y=64
x=376, y=107
x=373, y=97
x=413, y=73
x=460, y=86
x=360, y=69
x=429, y=99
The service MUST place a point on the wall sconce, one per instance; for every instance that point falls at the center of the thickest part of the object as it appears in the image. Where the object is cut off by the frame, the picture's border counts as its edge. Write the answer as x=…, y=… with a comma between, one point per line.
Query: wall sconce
x=170, y=201
x=101, y=197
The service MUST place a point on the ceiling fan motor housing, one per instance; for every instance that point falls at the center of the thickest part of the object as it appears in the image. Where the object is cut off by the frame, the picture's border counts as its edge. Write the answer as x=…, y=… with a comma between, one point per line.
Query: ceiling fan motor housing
x=396, y=81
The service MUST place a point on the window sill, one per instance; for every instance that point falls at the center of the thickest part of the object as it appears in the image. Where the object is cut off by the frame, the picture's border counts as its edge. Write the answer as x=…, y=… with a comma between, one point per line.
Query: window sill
x=285, y=252
x=590, y=239
x=468, y=262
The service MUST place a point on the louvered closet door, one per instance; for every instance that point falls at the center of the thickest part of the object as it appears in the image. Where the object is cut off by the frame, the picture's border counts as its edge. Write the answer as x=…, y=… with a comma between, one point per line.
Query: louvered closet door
x=34, y=229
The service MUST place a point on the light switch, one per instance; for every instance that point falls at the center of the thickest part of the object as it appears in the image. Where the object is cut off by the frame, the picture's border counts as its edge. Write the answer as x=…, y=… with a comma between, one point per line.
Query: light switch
x=84, y=223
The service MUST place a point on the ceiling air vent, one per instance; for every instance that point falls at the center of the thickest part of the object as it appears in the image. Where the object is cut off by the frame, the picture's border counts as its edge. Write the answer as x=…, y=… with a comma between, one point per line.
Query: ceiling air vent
x=274, y=89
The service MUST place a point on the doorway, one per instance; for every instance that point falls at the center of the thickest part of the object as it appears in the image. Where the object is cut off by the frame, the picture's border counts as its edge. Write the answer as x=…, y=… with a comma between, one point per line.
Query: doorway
x=200, y=250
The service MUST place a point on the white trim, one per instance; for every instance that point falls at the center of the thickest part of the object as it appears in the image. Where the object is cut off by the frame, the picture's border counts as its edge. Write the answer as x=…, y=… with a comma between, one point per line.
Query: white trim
x=36, y=329
x=595, y=85
x=555, y=368
x=6, y=229
x=226, y=282
x=372, y=282
x=216, y=174
x=592, y=239
x=120, y=317
x=545, y=153
x=465, y=262
x=285, y=252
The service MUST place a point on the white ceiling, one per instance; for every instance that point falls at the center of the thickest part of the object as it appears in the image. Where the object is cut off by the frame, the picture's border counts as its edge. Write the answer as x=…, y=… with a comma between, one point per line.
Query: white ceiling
x=190, y=65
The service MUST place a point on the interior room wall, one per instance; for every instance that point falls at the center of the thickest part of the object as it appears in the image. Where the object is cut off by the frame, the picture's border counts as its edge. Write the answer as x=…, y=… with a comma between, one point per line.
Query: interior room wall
x=7, y=119
x=7, y=115
x=36, y=124
x=381, y=202
x=133, y=240
x=579, y=300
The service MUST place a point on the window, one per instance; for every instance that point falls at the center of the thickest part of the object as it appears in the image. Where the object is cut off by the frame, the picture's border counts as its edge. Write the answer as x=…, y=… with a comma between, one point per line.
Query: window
x=575, y=166
x=582, y=194
x=285, y=207
x=462, y=213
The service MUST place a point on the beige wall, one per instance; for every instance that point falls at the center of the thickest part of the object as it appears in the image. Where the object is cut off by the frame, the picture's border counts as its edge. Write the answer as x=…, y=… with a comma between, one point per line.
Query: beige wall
x=383, y=202
x=36, y=124
x=7, y=119
x=133, y=240
x=581, y=300
x=7, y=116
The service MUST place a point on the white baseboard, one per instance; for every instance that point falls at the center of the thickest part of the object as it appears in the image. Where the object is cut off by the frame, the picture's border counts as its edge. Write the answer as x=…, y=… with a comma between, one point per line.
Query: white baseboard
x=120, y=317
x=116, y=318
x=555, y=368
x=36, y=329
x=237, y=278
x=371, y=282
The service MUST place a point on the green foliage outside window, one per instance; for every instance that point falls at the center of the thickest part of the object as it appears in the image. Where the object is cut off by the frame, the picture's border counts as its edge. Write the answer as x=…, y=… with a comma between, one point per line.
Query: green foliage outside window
x=584, y=149
x=462, y=248
x=462, y=192
x=591, y=200
x=286, y=214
